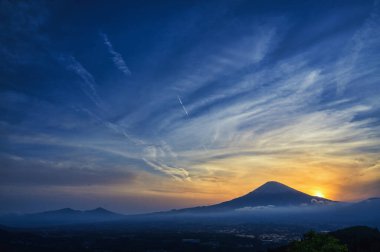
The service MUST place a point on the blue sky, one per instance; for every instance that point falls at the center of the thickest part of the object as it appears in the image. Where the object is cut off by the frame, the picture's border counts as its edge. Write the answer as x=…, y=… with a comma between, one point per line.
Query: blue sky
x=141, y=106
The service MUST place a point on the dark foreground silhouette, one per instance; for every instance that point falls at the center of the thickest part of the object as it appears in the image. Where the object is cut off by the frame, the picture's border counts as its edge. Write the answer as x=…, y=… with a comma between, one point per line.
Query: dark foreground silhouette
x=355, y=239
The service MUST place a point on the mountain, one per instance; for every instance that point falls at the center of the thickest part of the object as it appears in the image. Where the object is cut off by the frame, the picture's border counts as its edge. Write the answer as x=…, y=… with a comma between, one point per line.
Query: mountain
x=276, y=202
x=274, y=194
x=100, y=211
x=63, y=216
x=367, y=210
x=271, y=202
x=359, y=238
x=270, y=194
x=68, y=212
x=59, y=212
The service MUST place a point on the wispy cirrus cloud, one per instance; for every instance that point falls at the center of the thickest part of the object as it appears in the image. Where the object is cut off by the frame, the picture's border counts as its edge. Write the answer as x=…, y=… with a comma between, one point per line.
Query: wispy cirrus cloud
x=117, y=58
x=365, y=36
x=274, y=114
x=176, y=173
x=162, y=158
x=88, y=84
x=213, y=110
x=243, y=111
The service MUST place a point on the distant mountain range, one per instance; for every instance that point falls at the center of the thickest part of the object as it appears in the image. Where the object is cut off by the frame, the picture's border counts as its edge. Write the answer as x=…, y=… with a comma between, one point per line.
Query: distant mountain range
x=94, y=213
x=65, y=216
x=272, y=201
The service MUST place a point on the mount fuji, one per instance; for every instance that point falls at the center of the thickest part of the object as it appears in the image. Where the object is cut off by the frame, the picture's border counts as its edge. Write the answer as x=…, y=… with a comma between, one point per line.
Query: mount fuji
x=272, y=193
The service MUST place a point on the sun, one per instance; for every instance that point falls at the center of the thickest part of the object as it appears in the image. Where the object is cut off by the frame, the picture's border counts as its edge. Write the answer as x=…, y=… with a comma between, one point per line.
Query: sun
x=319, y=194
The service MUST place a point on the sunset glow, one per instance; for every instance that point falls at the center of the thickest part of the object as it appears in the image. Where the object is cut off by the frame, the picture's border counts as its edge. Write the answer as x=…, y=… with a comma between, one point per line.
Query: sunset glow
x=148, y=107
x=319, y=194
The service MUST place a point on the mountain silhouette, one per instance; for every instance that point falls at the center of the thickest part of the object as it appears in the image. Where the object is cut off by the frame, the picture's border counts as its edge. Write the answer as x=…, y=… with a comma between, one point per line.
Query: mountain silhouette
x=275, y=194
x=99, y=211
x=63, y=211
x=63, y=216
x=69, y=212
x=272, y=202
x=272, y=193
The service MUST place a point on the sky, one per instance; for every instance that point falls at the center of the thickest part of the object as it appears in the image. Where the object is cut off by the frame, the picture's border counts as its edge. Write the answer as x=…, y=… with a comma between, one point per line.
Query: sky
x=141, y=106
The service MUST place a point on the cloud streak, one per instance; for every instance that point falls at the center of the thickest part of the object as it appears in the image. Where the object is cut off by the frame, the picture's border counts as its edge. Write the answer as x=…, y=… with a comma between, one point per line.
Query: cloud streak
x=116, y=57
x=88, y=84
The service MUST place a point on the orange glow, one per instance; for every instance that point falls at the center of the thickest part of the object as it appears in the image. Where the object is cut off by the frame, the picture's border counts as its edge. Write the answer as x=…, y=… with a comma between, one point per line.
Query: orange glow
x=319, y=194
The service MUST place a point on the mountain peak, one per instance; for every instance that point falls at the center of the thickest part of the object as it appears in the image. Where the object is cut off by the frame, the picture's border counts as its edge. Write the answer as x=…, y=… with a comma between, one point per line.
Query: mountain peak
x=272, y=187
x=273, y=183
x=99, y=210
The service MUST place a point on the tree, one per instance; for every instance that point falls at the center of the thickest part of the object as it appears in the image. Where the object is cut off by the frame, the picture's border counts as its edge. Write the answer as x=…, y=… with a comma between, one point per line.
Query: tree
x=313, y=242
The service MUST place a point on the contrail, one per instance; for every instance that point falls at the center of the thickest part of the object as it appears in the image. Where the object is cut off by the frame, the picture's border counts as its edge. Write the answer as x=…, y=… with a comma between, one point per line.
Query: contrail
x=183, y=106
